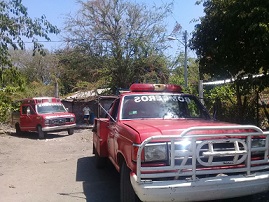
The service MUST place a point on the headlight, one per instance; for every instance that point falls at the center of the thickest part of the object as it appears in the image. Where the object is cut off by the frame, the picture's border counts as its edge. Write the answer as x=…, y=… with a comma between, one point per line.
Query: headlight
x=256, y=143
x=155, y=152
x=72, y=119
x=47, y=122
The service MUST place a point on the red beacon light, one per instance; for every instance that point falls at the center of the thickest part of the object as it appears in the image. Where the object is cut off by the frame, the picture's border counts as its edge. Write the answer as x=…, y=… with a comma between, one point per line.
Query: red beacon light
x=39, y=100
x=145, y=87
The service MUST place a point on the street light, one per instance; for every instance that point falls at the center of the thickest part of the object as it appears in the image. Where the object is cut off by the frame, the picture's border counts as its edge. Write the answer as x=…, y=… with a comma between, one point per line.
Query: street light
x=184, y=43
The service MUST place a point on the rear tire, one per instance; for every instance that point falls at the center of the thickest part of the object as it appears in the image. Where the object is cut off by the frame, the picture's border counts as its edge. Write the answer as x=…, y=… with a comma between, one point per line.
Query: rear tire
x=93, y=149
x=18, y=129
x=126, y=190
x=41, y=134
x=70, y=131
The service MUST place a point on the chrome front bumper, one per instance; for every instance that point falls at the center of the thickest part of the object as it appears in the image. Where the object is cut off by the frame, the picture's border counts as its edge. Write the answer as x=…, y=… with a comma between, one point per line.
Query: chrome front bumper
x=58, y=128
x=201, y=190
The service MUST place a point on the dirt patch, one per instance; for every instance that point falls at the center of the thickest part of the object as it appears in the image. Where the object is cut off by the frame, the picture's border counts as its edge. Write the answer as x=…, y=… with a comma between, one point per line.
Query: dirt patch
x=58, y=168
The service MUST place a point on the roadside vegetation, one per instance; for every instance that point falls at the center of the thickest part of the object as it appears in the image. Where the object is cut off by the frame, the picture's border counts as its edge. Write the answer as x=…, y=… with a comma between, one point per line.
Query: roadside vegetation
x=114, y=43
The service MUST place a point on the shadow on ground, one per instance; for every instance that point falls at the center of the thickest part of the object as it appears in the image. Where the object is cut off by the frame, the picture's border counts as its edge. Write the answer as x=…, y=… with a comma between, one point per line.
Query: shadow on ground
x=33, y=135
x=103, y=185
x=99, y=185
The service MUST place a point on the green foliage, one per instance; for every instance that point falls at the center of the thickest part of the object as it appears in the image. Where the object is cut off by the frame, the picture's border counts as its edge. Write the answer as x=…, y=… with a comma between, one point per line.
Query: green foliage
x=10, y=95
x=216, y=94
x=38, y=68
x=221, y=102
x=14, y=87
x=233, y=38
x=177, y=74
x=78, y=66
x=12, y=78
x=38, y=89
x=12, y=83
x=177, y=79
x=15, y=25
x=232, y=41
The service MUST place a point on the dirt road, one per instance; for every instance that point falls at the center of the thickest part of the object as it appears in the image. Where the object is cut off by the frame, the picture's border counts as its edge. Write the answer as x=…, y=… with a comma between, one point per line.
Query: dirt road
x=58, y=168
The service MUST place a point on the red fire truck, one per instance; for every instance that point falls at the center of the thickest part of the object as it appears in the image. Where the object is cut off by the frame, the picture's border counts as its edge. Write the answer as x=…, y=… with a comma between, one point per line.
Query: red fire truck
x=167, y=148
x=42, y=115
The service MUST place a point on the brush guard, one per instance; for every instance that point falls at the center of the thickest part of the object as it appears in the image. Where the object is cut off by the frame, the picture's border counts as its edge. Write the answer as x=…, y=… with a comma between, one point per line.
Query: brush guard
x=198, y=161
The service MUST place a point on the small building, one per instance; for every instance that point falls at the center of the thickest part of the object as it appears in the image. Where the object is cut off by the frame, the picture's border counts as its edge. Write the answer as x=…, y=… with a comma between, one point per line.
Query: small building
x=77, y=101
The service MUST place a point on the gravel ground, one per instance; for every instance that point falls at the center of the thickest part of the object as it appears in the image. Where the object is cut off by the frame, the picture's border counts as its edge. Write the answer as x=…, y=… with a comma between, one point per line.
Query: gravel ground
x=58, y=168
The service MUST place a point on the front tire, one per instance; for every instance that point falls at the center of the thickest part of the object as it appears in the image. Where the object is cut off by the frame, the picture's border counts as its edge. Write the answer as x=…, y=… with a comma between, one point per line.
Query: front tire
x=126, y=190
x=41, y=133
x=70, y=131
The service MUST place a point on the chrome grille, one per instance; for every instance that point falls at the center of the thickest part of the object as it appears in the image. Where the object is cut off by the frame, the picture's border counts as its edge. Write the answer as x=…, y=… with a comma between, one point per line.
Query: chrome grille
x=226, y=153
x=213, y=153
x=58, y=121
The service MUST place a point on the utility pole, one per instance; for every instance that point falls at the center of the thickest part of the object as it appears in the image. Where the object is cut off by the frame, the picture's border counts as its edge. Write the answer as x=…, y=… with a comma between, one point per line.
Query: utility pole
x=185, y=44
x=185, y=39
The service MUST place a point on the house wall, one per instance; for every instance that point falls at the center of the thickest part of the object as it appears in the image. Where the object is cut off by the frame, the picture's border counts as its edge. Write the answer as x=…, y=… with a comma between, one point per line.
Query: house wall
x=76, y=107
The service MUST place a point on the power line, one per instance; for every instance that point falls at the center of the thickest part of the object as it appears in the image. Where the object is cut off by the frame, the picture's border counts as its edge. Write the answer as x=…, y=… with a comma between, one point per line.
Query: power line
x=43, y=41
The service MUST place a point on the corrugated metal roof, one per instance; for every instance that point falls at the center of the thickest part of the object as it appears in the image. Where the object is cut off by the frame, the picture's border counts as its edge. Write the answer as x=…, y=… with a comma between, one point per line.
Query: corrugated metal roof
x=85, y=95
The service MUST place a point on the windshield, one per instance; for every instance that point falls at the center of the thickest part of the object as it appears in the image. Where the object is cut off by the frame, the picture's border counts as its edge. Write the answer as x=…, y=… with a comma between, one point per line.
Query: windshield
x=166, y=106
x=50, y=108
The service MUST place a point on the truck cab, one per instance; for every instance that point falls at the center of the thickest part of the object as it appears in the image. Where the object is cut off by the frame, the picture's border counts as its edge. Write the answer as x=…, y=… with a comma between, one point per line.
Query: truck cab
x=166, y=147
x=42, y=115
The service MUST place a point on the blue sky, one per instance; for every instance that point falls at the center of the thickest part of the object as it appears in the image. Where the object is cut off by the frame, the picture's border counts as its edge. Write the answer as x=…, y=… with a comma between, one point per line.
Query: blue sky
x=55, y=10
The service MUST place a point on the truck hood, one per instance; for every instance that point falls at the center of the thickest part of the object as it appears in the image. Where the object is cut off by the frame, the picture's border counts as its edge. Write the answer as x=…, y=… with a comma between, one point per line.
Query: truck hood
x=148, y=128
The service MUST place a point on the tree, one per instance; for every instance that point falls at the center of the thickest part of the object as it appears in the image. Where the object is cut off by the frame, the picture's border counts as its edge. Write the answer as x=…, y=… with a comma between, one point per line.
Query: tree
x=15, y=25
x=233, y=38
x=38, y=68
x=77, y=67
x=232, y=41
x=29, y=76
x=177, y=73
x=12, y=83
x=127, y=37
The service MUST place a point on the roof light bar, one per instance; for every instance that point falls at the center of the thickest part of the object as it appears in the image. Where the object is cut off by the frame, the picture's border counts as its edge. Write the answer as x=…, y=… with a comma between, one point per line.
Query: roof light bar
x=142, y=87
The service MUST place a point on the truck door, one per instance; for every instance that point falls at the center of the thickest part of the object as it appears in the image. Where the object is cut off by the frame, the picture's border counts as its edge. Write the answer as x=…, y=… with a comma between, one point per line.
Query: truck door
x=113, y=131
x=27, y=118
